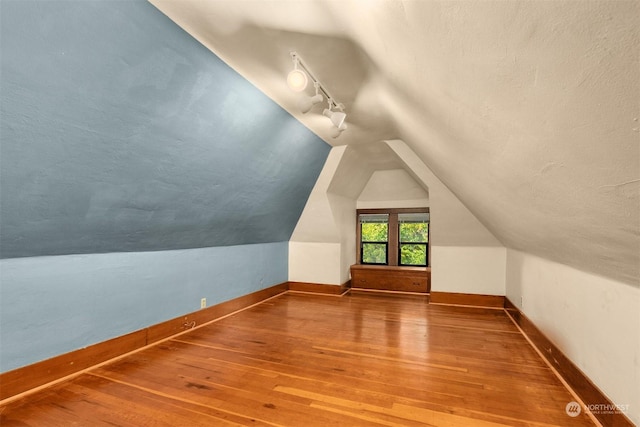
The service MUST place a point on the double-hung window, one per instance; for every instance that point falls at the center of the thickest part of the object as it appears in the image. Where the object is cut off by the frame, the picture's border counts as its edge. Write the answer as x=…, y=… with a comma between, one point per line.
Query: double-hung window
x=374, y=241
x=393, y=237
x=413, y=239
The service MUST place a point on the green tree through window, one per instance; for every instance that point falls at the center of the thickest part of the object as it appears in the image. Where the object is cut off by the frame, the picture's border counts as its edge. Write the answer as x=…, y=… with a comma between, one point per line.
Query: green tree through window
x=374, y=231
x=393, y=236
x=414, y=239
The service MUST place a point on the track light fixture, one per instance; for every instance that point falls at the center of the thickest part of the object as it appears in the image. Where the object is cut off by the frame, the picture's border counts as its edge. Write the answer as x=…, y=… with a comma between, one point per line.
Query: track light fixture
x=337, y=118
x=306, y=103
x=298, y=79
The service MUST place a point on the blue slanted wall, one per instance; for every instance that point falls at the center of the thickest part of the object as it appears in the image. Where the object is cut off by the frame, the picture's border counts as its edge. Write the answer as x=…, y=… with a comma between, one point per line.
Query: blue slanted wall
x=138, y=174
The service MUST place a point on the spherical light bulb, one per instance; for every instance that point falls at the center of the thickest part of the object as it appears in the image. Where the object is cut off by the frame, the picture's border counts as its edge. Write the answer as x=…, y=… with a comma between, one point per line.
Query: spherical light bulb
x=297, y=80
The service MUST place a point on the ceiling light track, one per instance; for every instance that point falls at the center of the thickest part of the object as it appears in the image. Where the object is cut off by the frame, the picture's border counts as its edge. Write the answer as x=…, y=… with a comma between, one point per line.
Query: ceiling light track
x=298, y=80
x=298, y=62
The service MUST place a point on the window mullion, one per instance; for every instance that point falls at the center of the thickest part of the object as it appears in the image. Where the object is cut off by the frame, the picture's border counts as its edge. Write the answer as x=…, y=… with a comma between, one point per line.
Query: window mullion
x=394, y=247
x=359, y=237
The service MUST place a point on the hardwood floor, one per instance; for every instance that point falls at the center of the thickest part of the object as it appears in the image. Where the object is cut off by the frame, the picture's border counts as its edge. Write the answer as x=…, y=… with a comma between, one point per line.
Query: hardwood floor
x=364, y=359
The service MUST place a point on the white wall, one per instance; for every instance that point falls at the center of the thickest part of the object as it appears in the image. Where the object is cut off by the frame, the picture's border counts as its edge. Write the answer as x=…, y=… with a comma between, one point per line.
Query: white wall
x=465, y=256
x=469, y=269
x=344, y=211
x=393, y=188
x=316, y=223
x=593, y=320
x=315, y=262
x=322, y=246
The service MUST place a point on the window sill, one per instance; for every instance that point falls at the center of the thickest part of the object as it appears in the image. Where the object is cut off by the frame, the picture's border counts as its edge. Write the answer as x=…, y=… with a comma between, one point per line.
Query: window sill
x=389, y=267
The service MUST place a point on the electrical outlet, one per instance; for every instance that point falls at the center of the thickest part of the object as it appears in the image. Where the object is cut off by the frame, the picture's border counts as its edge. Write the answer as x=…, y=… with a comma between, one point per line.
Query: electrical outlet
x=203, y=302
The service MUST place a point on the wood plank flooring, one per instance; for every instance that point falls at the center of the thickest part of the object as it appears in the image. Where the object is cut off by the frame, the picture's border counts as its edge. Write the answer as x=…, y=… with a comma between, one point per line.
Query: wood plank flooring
x=364, y=359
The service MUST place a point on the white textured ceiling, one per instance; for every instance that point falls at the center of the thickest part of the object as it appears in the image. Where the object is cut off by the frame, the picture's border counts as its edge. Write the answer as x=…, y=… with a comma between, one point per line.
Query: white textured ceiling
x=527, y=110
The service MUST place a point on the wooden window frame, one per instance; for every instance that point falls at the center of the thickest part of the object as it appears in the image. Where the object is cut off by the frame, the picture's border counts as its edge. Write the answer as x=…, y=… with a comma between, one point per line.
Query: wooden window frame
x=393, y=247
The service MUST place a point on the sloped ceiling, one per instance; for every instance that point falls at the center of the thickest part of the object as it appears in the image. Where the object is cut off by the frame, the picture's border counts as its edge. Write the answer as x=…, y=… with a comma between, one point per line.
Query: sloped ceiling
x=527, y=111
x=120, y=132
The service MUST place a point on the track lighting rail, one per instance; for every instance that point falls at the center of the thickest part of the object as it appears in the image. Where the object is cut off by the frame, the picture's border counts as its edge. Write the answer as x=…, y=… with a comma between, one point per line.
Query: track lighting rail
x=333, y=103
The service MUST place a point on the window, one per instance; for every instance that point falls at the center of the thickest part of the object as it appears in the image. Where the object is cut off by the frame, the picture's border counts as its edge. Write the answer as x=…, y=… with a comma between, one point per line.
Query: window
x=374, y=242
x=413, y=238
x=393, y=236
